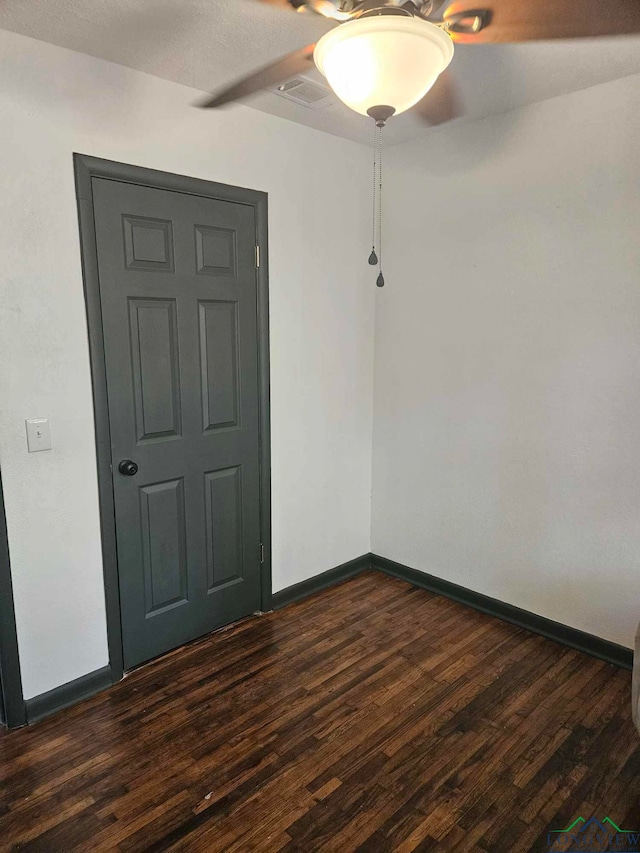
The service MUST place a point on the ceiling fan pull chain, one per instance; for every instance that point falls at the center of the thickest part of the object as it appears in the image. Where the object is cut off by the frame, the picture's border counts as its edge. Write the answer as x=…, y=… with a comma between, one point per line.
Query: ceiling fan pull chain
x=373, y=258
x=380, y=279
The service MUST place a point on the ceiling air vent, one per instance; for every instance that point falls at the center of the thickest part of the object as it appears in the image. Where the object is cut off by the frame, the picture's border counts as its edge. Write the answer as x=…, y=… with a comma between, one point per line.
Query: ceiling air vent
x=303, y=92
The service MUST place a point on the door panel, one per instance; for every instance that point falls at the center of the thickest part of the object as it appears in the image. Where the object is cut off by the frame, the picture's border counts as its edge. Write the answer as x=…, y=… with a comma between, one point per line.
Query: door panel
x=179, y=307
x=219, y=364
x=164, y=545
x=224, y=526
x=156, y=374
x=215, y=251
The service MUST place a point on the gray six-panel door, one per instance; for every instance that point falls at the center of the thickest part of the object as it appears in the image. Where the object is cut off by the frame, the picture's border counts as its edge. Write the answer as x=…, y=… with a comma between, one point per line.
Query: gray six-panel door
x=179, y=306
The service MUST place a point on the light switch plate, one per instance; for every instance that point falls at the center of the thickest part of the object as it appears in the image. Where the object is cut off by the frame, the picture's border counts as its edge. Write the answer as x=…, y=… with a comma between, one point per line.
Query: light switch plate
x=38, y=434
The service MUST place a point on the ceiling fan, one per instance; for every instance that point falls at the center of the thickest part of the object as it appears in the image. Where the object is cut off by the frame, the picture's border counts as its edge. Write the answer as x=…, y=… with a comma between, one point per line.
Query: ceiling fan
x=383, y=56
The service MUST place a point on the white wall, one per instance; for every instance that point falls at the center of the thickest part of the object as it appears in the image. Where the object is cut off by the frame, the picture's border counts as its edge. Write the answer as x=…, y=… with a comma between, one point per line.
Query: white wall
x=507, y=364
x=507, y=401
x=54, y=102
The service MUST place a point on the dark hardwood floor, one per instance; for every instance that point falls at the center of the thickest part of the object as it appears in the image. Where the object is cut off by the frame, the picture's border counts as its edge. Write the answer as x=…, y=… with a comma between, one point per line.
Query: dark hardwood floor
x=372, y=716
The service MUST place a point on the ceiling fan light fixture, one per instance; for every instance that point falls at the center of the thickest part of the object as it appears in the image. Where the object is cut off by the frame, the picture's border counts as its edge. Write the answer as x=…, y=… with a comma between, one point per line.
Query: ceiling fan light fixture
x=383, y=60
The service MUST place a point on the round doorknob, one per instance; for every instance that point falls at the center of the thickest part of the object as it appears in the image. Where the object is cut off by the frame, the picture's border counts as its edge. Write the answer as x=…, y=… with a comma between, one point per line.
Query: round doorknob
x=128, y=467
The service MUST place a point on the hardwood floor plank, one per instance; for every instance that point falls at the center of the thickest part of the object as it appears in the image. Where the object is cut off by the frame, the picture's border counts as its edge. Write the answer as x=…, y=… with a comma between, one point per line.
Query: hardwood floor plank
x=372, y=716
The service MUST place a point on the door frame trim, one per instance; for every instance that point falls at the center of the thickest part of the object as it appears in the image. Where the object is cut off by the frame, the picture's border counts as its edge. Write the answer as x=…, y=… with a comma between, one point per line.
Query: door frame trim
x=86, y=168
x=12, y=697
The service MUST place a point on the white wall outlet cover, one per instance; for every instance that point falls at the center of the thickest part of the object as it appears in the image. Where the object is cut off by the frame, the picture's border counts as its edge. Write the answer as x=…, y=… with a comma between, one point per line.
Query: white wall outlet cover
x=38, y=434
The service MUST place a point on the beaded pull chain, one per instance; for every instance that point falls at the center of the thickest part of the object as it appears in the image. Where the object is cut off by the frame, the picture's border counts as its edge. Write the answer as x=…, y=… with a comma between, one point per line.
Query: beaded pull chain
x=380, y=279
x=375, y=258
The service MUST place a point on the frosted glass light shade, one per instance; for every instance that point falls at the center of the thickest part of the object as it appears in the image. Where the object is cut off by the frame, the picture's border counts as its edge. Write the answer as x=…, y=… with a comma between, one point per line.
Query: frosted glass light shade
x=386, y=60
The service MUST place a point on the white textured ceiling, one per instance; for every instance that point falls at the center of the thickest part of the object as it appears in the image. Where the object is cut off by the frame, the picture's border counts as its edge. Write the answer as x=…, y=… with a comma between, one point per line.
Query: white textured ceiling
x=208, y=43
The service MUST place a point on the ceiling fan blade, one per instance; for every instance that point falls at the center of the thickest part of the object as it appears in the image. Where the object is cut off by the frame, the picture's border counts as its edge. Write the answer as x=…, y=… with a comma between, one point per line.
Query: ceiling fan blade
x=290, y=65
x=441, y=103
x=532, y=20
x=326, y=8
